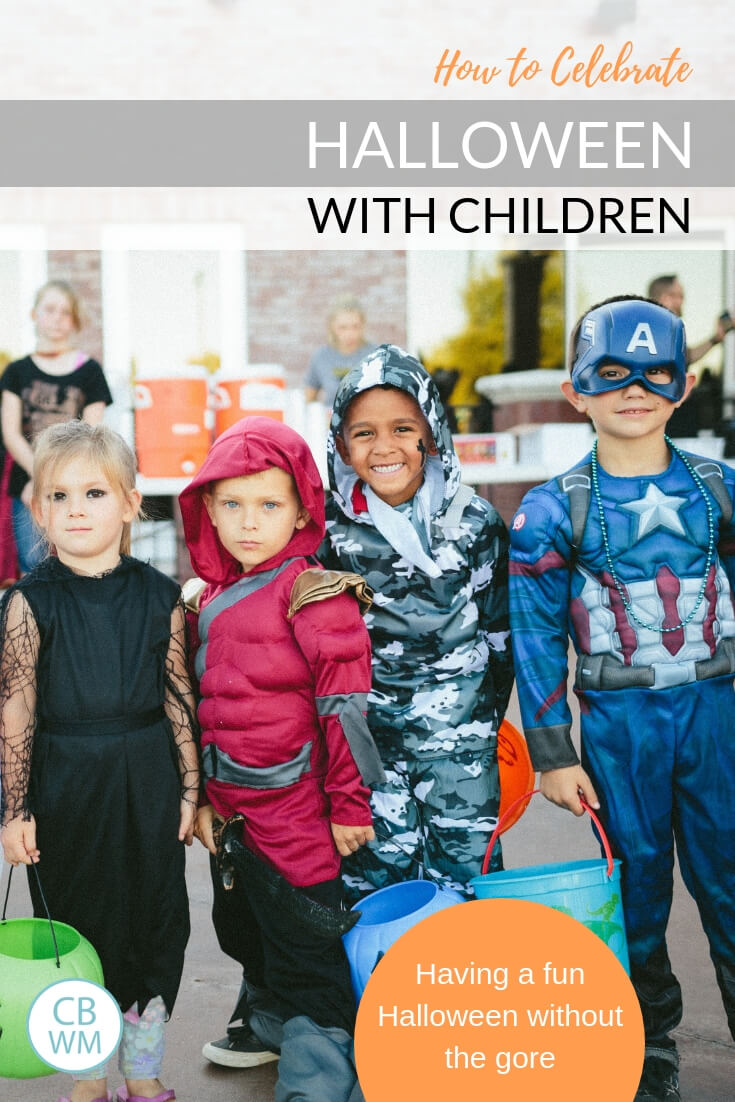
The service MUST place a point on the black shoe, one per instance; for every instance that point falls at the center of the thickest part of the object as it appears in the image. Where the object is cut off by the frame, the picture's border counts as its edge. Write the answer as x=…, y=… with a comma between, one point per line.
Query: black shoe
x=239, y=1049
x=659, y=1081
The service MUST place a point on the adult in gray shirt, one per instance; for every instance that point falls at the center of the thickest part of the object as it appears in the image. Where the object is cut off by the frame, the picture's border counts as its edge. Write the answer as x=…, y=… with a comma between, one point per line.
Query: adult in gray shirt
x=347, y=347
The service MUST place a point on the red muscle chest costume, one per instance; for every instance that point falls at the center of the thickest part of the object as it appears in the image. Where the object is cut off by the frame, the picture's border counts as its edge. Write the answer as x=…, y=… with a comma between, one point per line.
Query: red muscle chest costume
x=278, y=693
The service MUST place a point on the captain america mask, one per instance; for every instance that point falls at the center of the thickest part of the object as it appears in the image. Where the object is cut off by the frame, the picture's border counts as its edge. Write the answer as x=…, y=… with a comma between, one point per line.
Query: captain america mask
x=636, y=335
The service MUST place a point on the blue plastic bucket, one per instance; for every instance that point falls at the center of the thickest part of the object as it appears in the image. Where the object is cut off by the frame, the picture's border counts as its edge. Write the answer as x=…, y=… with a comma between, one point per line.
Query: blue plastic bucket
x=589, y=891
x=385, y=915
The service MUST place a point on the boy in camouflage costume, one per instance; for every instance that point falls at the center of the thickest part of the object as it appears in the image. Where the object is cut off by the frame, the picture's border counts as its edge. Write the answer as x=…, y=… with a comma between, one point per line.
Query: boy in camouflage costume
x=436, y=556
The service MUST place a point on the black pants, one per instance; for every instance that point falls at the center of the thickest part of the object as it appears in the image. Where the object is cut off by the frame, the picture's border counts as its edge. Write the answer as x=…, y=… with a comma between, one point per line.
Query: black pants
x=306, y=974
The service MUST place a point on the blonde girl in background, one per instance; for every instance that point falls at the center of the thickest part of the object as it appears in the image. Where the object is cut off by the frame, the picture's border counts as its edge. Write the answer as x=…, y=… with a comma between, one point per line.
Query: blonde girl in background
x=347, y=347
x=56, y=382
x=99, y=763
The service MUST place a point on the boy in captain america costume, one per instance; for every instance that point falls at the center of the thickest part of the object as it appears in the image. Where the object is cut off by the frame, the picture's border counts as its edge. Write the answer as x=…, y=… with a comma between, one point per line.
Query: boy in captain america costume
x=631, y=556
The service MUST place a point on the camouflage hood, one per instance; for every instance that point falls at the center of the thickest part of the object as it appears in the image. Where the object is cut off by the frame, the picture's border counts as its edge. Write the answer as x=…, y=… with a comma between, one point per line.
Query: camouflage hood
x=391, y=366
x=442, y=669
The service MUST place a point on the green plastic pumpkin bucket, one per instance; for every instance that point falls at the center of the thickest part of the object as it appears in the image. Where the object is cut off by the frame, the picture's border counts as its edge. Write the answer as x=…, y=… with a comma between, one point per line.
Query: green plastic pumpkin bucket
x=588, y=891
x=34, y=953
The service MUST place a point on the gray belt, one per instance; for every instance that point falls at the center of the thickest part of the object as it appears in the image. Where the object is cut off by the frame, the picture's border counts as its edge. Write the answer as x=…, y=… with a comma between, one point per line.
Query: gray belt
x=603, y=671
x=219, y=766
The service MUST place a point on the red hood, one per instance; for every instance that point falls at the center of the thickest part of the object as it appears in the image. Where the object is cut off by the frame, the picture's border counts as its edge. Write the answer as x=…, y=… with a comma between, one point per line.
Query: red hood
x=251, y=445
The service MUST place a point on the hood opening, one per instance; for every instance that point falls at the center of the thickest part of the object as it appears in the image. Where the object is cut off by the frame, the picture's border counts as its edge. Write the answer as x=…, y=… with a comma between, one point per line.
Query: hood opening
x=389, y=366
x=252, y=445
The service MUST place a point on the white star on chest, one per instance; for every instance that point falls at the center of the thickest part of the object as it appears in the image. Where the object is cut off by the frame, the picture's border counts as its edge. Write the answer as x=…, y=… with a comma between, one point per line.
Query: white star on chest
x=656, y=510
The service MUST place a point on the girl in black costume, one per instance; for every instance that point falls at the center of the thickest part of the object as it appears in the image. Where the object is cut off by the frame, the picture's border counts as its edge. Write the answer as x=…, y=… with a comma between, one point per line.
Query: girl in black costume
x=99, y=762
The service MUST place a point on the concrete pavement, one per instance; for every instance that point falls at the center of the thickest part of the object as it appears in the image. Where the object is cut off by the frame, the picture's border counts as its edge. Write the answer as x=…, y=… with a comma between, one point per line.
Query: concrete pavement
x=210, y=985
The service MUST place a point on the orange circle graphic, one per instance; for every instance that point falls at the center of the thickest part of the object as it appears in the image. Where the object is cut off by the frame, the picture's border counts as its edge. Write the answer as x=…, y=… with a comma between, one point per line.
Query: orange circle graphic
x=499, y=999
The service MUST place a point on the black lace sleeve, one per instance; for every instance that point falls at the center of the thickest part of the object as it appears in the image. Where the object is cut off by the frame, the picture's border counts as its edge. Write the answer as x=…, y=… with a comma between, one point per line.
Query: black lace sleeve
x=181, y=706
x=19, y=645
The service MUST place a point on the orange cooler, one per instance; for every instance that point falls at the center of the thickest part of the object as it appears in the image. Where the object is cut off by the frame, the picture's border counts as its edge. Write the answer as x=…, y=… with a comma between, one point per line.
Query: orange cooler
x=172, y=424
x=252, y=390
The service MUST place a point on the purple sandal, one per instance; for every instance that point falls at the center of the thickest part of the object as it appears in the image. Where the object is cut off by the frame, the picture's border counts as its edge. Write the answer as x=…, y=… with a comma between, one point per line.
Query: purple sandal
x=164, y=1096
x=107, y=1098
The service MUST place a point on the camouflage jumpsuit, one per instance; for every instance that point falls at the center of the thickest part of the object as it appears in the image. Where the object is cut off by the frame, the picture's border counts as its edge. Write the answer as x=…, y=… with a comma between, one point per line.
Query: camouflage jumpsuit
x=442, y=665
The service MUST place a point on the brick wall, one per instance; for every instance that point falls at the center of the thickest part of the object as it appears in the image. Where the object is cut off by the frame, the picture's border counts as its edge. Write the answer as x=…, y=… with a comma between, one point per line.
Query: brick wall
x=289, y=295
x=83, y=270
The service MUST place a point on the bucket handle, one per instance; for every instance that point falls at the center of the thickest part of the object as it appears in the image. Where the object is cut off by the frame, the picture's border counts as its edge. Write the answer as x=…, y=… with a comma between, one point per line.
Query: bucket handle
x=3, y=920
x=526, y=796
x=143, y=397
x=220, y=398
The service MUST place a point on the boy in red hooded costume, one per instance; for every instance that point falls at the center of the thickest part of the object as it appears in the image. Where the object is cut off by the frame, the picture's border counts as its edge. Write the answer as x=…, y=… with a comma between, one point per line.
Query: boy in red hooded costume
x=283, y=663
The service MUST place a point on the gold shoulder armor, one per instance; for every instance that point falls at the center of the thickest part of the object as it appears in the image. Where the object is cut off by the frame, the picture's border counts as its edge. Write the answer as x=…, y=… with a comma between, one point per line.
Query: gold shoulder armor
x=318, y=585
x=191, y=591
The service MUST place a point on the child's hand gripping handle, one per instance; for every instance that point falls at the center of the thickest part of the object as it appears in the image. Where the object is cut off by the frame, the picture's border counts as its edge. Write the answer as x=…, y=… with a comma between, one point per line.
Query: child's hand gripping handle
x=526, y=795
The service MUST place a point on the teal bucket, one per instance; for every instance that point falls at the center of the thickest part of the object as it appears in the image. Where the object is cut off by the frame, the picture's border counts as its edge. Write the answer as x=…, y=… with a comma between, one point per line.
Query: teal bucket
x=384, y=916
x=588, y=891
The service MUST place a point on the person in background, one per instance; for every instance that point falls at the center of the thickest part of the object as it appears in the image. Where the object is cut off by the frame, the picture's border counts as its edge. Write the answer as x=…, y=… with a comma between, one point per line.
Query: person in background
x=668, y=291
x=8, y=555
x=346, y=348
x=696, y=413
x=56, y=382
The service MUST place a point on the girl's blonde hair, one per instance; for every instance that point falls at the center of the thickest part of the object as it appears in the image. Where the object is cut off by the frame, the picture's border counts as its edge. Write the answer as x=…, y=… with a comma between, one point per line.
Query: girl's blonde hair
x=77, y=311
x=59, y=444
x=347, y=304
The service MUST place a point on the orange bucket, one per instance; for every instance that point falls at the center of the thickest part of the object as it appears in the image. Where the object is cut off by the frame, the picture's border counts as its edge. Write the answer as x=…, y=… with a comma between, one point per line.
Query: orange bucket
x=517, y=775
x=253, y=390
x=172, y=424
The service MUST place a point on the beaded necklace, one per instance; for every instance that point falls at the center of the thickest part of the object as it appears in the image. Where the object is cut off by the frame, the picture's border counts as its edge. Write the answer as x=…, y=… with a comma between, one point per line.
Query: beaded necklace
x=608, y=556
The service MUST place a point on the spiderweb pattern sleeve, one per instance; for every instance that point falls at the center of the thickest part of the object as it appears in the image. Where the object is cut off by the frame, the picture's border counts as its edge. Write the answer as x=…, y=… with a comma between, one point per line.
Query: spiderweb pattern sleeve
x=181, y=707
x=19, y=646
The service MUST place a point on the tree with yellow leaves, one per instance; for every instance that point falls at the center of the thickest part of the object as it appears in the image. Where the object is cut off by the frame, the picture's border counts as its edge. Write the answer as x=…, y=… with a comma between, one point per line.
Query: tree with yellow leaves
x=480, y=348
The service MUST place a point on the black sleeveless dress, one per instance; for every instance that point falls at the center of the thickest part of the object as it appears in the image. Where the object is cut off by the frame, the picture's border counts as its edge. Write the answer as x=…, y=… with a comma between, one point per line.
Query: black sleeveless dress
x=104, y=780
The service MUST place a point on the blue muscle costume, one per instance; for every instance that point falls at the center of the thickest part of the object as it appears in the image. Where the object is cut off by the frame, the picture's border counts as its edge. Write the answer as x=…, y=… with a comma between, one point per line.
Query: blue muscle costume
x=655, y=639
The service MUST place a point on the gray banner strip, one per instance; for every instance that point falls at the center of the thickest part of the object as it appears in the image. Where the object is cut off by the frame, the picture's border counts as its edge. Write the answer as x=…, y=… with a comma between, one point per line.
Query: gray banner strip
x=381, y=143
